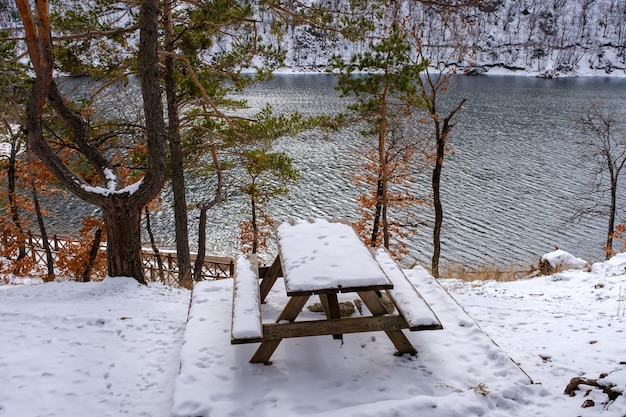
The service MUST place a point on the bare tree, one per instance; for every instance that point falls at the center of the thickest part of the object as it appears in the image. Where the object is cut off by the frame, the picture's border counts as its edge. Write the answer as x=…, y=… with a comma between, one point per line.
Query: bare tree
x=433, y=84
x=605, y=143
x=204, y=207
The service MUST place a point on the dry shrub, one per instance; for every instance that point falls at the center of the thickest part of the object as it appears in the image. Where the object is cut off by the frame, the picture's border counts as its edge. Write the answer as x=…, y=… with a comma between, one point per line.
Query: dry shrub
x=346, y=308
x=12, y=239
x=401, y=200
x=265, y=230
x=75, y=258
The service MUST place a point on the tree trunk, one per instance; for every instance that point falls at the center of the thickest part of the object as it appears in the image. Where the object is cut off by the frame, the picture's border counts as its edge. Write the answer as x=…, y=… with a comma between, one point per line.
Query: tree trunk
x=255, y=226
x=384, y=175
x=204, y=208
x=153, y=245
x=611, y=226
x=44, y=235
x=15, y=215
x=197, y=268
x=436, y=186
x=377, y=213
x=123, y=227
x=93, y=253
x=176, y=158
x=441, y=138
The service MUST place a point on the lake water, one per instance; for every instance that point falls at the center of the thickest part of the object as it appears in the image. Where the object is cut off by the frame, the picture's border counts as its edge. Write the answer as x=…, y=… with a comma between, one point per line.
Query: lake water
x=507, y=192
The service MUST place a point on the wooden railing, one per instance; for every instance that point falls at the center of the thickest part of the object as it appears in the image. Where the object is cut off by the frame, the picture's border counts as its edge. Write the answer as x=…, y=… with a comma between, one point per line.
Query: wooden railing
x=214, y=267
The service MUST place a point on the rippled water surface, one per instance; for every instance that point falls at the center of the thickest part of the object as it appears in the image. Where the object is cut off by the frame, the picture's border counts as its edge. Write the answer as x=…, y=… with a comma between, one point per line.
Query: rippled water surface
x=506, y=191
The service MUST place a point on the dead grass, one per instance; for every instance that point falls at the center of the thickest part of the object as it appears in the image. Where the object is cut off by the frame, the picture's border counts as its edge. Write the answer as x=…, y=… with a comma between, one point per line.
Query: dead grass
x=488, y=272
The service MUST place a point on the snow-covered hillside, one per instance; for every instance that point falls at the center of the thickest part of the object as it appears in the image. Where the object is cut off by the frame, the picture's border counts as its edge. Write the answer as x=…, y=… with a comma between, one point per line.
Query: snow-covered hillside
x=542, y=37
x=546, y=37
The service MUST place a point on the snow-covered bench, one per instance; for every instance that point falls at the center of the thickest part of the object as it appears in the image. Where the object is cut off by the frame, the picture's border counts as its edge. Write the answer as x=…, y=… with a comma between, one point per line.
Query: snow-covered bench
x=409, y=302
x=246, y=320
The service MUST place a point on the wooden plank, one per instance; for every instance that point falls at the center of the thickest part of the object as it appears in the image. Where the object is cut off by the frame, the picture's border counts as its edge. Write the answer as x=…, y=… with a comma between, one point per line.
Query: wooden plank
x=372, y=300
x=331, y=309
x=265, y=351
x=246, y=326
x=405, y=296
x=373, y=303
x=272, y=274
x=293, y=308
x=341, y=289
x=290, y=312
x=277, y=331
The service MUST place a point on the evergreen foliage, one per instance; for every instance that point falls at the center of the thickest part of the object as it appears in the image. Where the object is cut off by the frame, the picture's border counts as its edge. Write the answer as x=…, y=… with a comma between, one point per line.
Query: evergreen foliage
x=384, y=81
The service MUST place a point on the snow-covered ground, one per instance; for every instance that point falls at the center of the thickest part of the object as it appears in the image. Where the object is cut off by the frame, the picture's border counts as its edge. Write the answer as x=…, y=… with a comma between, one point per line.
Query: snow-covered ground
x=118, y=348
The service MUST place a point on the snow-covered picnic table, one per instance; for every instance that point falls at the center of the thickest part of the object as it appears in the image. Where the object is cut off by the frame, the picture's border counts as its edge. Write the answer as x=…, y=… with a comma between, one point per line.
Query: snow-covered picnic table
x=326, y=258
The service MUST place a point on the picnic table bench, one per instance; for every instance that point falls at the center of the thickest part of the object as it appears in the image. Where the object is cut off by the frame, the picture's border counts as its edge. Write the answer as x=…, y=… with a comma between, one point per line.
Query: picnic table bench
x=324, y=258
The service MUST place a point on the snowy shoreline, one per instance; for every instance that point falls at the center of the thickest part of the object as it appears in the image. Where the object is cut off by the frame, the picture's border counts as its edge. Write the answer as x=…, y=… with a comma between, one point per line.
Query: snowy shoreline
x=489, y=71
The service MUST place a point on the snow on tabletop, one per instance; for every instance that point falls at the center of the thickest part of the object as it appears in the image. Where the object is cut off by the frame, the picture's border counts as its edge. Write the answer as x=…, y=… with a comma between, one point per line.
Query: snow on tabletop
x=321, y=255
x=563, y=260
x=246, y=312
x=414, y=309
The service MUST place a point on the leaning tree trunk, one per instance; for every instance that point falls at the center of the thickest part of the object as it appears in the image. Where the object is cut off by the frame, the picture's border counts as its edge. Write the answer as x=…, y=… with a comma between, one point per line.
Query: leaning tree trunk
x=93, y=254
x=44, y=234
x=155, y=249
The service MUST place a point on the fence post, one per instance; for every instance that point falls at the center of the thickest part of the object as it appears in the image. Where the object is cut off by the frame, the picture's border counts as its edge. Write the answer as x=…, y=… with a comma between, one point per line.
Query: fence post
x=231, y=268
x=56, y=242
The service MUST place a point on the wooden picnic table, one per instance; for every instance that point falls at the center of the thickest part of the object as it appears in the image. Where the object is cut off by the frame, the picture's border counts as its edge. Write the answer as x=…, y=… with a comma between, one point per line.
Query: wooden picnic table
x=324, y=258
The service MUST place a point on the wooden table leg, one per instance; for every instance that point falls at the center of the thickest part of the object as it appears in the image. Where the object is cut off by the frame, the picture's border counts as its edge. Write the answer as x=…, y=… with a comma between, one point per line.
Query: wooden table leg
x=377, y=308
x=331, y=309
x=264, y=351
x=293, y=308
x=290, y=312
x=272, y=274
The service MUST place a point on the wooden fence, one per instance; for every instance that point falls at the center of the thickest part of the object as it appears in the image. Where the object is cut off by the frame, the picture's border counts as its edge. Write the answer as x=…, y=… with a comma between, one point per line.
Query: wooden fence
x=214, y=267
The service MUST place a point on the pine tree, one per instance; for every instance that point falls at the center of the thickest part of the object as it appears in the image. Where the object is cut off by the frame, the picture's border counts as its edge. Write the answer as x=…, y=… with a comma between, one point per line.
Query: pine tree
x=121, y=203
x=384, y=82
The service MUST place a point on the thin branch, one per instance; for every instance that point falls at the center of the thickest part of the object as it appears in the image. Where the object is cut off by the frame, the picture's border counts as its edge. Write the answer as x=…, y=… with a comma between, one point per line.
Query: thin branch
x=205, y=95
